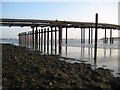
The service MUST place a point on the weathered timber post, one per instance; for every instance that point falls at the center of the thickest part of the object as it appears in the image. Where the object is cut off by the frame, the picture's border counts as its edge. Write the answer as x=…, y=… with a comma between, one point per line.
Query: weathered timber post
x=44, y=40
x=25, y=37
x=36, y=39
x=89, y=37
x=66, y=35
x=55, y=40
x=27, y=40
x=96, y=27
x=105, y=40
x=111, y=39
x=60, y=39
x=81, y=35
x=19, y=40
x=84, y=35
x=41, y=39
x=51, y=40
x=48, y=40
x=33, y=37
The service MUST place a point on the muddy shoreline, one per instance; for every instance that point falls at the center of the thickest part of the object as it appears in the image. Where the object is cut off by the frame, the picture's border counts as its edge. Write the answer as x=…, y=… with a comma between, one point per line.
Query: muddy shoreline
x=22, y=68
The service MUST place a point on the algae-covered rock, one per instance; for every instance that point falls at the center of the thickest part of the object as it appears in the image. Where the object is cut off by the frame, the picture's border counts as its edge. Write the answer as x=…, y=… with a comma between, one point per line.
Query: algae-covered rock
x=22, y=68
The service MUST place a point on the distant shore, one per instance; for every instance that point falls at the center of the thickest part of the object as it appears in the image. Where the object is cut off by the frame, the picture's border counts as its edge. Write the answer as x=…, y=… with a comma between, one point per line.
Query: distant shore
x=22, y=68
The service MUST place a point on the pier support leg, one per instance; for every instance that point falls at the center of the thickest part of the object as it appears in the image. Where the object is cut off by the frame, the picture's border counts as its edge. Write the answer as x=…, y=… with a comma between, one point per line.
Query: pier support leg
x=48, y=40
x=19, y=39
x=55, y=40
x=33, y=37
x=89, y=37
x=25, y=36
x=44, y=40
x=41, y=39
x=111, y=39
x=96, y=27
x=66, y=35
x=60, y=39
x=105, y=39
x=81, y=36
x=51, y=40
x=36, y=39
x=84, y=36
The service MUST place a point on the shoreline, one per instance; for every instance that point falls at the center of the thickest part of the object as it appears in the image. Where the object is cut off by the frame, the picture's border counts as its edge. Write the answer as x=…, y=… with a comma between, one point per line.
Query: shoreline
x=22, y=68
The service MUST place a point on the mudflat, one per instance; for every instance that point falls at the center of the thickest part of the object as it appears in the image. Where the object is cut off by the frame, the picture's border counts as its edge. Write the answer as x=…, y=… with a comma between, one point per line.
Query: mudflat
x=23, y=68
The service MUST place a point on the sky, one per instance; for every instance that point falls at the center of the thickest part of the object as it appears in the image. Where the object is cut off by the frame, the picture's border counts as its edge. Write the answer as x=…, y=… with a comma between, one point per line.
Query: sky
x=83, y=11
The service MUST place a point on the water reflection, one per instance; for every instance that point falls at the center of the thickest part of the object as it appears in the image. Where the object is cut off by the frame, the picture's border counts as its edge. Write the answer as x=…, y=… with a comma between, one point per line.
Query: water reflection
x=104, y=53
x=106, y=58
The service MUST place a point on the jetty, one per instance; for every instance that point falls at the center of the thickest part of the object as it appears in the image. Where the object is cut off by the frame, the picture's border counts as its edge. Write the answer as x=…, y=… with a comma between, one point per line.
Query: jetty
x=40, y=39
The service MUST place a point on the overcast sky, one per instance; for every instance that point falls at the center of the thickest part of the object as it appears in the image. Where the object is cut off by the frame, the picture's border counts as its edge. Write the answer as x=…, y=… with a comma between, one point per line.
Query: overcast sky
x=83, y=11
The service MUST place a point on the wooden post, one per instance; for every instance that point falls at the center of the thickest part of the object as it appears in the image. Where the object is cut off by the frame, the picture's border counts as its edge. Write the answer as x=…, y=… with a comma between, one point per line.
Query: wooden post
x=48, y=41
x=84, y=36
x=36, y=39
x=89, y=37
x=25, y=43
x=44, y=40
x=55, y=40
x=19, y=40
x=96, y=27
x=41, y=39
x=60, y=39
x=66, y=35
x=33, y=37
x=105, y=37
x=81, y=36
x=27, y=39
x=51, y=40
x=111, y=41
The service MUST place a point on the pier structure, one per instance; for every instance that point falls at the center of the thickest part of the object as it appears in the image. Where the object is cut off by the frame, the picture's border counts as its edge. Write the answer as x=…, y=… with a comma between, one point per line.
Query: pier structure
x=46, y=35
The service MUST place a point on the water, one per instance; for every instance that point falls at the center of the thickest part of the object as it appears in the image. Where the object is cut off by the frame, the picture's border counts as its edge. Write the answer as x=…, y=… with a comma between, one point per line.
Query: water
x=107, y=54
x=10, y=41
